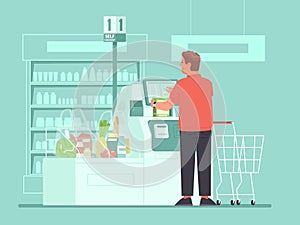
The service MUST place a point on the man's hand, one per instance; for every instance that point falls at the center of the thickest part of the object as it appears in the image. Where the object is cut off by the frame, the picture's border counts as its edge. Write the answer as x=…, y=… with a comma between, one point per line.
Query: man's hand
x=169, y=90
x=152, y=102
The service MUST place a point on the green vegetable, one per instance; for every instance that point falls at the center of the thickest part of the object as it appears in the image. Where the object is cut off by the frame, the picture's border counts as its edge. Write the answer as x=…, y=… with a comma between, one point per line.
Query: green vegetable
x=103, y=127
x=66, y=148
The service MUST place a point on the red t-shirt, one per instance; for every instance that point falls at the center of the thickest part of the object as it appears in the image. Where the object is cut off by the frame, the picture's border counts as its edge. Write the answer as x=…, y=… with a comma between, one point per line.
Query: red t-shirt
x=194, y=94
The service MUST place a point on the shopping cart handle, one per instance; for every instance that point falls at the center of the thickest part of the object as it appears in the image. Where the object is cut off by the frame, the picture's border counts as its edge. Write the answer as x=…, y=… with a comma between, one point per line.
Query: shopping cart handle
x=222, y=122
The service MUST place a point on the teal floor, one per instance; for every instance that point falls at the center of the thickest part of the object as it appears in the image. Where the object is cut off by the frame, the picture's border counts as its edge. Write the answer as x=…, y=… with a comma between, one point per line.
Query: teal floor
x=143, y=206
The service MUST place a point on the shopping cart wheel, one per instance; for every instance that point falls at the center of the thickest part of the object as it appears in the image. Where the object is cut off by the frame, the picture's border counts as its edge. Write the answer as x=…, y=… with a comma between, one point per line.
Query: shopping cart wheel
x=238, y=202
x=252, y=202
x=232, y=202
x=218, y=202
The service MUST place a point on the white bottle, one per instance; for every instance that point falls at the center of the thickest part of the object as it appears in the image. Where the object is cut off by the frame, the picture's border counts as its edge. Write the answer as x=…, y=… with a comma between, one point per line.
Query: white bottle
x=135, y=76
x=119, y=75
x=76, y=76
x=40, y=76
x=130, y=78
x=92, y=76
x=53, y=98
x=102, y=99
x=38, y=145
x=35, y=76
x=59, y=101
x=46, y=98
x=55, y=76
x=45, y=76
x=71, y=101
x=63, y=76
x=39, y=98
x=105, y=75
x=83, y=99
x=109, y=99
x=125, y=75
x=67, y=101
x=84, y=75
x=99, y=75
x=50, y=76
x=38, y=167
x=69, y=77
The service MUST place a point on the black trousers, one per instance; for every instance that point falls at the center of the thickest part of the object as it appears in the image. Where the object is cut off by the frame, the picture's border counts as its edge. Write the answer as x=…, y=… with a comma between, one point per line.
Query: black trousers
x=190, y=142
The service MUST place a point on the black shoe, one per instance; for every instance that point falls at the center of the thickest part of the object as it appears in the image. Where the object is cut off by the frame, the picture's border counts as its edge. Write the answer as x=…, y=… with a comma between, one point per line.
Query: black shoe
x=207, y=202
x=184, y=202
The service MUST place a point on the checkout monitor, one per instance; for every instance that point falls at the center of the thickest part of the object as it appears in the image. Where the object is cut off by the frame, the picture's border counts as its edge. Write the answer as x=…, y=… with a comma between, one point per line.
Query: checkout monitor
x=156, y=88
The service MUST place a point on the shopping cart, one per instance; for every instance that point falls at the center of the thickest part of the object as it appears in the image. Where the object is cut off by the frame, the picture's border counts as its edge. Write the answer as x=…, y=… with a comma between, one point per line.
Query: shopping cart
x=238, y=155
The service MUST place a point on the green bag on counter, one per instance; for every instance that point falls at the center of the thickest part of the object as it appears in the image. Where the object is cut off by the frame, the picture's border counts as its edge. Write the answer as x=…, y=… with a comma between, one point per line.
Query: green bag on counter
x=65, y=148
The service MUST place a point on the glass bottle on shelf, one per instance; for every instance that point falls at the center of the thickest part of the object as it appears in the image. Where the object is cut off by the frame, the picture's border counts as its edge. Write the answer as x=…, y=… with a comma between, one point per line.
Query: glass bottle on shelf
x=46, y=98
x=39, y=98
x=38, y=145
x=69, y=77
x=92, y=75
x=76, y=76
x=105, y=75
x=102, y=99
x=38, y=167
x=135, y=76
x=89, y=99
x=119, y=75
x=55, y=76
x=63, y=76
x=83, y=99
x=111, y=76
x=40, y=76
x=125, y=75
x=53, y=98
x=84, y=75
x=59, y=101
x=35, y=76
x=45, y=76
x=44, y=145
x=99, y=75
x=67, y=101
x=50, y=76
x=109, y=99
x=131, y=77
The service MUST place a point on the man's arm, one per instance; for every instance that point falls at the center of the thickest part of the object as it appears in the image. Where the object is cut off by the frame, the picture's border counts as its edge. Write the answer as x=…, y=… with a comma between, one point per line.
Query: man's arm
x=163, y=105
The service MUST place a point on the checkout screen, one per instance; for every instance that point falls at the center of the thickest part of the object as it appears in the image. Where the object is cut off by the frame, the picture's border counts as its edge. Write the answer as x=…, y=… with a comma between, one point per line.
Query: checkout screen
x=157, y=89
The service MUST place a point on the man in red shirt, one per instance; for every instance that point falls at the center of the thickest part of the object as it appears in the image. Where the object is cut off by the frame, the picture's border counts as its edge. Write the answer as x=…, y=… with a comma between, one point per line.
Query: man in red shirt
x=193, y=94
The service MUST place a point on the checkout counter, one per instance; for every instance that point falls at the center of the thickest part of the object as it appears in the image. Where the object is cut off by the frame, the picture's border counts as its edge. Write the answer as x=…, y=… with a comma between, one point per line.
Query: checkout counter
x=149, y=175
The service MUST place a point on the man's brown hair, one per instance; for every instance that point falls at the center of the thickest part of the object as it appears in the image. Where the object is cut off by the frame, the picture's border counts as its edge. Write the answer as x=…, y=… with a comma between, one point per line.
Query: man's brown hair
x=193, y=58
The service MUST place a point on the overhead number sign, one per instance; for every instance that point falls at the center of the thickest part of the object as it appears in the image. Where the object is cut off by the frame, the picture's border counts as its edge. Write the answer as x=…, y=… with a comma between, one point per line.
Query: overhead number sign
x=114, y=28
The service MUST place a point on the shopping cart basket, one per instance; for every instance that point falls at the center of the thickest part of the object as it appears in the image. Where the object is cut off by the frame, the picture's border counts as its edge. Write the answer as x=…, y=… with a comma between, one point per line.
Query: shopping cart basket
x=237, y=155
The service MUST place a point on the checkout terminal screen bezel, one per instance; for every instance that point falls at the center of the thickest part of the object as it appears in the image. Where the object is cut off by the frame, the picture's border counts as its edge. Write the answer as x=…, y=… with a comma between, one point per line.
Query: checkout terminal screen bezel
x=147, y=100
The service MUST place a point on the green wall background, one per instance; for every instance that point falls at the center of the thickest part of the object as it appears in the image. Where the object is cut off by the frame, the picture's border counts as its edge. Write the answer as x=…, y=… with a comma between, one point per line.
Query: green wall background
x=262, y=98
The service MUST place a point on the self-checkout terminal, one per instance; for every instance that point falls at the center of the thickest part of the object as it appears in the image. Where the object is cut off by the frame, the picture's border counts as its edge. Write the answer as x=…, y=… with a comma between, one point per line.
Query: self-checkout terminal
x=147, y=128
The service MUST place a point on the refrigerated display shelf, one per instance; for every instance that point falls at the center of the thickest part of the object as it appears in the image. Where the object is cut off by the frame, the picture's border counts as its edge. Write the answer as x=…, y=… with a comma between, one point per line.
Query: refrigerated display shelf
x=52, y=65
